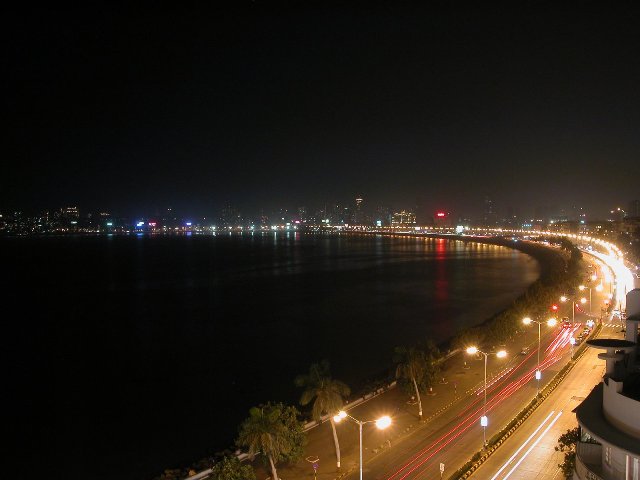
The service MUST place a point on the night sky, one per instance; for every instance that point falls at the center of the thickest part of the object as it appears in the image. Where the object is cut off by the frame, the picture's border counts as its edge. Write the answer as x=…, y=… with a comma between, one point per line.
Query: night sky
x=262, y=104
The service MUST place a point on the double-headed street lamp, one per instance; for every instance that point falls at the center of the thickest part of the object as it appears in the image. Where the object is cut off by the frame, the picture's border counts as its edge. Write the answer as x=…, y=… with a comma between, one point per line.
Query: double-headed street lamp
x=484, y=421
x=564, y=298
x=381, y=423
x=598, y=289
x=551, y=322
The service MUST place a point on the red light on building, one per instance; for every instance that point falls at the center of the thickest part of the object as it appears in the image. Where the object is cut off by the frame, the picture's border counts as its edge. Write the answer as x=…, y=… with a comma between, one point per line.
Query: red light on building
x=440, y=214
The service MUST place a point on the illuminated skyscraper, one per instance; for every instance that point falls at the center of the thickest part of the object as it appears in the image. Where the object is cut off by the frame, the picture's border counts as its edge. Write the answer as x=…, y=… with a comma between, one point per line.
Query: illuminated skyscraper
x=403, y=219
x=490, y=216
x=358, y=214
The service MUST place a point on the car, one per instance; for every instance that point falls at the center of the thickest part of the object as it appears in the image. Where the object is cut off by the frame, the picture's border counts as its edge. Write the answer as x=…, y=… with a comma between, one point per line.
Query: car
x=566, y=323
x=524, y=350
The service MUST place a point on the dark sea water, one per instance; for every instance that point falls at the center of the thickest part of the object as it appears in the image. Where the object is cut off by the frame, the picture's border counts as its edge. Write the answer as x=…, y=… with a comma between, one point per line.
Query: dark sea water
x=128, y=355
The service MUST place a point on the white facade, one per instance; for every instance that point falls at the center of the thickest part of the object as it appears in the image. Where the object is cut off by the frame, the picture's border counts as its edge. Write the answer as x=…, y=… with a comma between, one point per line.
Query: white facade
x=609, y=417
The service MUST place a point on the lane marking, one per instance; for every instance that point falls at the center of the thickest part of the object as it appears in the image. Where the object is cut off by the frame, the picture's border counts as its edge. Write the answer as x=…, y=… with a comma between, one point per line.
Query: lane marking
x=533, y=446
x=508, y=462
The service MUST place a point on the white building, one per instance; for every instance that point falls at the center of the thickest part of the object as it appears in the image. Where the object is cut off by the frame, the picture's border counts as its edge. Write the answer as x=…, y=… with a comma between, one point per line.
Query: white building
x=609, y=418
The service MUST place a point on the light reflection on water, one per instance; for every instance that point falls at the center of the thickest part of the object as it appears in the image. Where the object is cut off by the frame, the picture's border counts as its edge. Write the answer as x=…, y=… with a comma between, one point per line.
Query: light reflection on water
x=160, y=334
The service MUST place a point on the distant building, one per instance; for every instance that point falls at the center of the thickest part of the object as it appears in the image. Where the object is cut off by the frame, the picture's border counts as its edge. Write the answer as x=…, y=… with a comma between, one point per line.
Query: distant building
x=230, y=216
x=490, y=217
x=543, y=214
x=442, y=220
x=403, y=218
x=511, y=220
x=564, y=227
x=302, y=214
x=633, y=210
x=69, y=218
x=383, y=216
x=630, y=226
x=70, y=213
x=358, y=211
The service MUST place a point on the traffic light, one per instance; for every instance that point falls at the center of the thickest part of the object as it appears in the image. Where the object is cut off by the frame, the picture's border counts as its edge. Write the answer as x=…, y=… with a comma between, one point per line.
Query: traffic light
x=554, y=307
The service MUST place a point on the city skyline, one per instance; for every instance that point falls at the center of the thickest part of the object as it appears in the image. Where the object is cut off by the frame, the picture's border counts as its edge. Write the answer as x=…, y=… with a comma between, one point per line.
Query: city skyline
x=358, y=211
x=127, y=108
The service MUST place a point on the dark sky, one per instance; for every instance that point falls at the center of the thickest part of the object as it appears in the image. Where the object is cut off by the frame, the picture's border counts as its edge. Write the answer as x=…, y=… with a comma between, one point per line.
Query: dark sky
x=131, y=108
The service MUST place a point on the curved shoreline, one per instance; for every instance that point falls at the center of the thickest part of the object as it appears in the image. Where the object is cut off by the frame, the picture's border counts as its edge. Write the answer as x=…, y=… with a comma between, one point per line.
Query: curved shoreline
x=553, y=274
x=550, y=263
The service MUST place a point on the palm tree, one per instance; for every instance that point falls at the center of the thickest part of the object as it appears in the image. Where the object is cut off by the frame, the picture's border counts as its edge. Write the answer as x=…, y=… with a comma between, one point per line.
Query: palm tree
x=326, y=394
x=266, y=432
x=411, y=366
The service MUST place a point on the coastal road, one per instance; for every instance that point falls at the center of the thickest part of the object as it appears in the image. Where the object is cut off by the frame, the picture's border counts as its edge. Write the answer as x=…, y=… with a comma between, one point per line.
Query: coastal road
x=529, y=452
x=410, y=449
x=454, y=437
x=414, y=450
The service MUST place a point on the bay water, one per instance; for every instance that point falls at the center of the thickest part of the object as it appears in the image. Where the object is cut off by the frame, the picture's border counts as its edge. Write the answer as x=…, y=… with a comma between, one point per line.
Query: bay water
x=125, y=355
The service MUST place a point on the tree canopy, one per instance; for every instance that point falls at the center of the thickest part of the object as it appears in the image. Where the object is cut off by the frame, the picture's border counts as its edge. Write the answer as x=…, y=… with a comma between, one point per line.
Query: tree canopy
x=275, y=431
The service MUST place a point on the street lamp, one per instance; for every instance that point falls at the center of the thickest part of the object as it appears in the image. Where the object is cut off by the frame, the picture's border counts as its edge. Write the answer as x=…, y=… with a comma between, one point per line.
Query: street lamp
x=551, y=322
x=581, y=288
x=483, y=420
x=564, y=298
x=381, y=423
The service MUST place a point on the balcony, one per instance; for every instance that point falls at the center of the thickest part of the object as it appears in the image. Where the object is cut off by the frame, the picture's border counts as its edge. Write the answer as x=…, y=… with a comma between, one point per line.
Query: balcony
x=584, y=473
x=588, y=461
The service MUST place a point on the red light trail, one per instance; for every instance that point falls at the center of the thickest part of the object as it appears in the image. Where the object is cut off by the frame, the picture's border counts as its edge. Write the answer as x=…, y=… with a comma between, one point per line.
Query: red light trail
x=423, y=460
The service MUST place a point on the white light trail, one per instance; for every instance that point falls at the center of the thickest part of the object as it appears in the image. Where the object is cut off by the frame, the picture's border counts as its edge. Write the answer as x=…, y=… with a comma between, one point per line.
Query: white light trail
x=508, y=462
x=533, y=446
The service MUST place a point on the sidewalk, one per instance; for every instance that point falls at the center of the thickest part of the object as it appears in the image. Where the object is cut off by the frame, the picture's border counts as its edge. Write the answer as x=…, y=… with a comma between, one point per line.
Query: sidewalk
x=462, y=375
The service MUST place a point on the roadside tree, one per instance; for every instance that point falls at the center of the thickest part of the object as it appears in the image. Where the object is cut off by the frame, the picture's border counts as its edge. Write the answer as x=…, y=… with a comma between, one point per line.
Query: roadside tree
x=230, y=468
x=411, y=366
x=275, y=431
x=567, y=444
x=326, y=394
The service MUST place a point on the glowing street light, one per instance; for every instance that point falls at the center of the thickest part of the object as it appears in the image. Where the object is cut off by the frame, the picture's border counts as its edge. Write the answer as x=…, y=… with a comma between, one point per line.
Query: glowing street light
x=381, y=423
x=581, y=288
x=565, y=298
x=484, y=421
x=551, y=322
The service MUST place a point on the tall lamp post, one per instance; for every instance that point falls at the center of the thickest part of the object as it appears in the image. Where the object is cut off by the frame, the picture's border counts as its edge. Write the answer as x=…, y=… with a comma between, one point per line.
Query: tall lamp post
x=598, y=288
x=565, y=298
x=484, y=421
x=381, y=423
x=582, y=288
x=551, y=322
